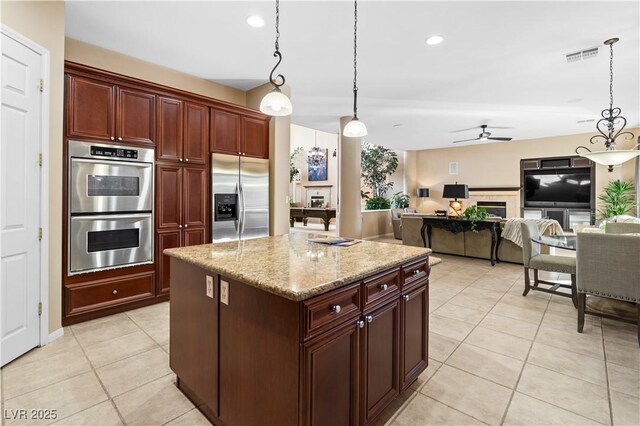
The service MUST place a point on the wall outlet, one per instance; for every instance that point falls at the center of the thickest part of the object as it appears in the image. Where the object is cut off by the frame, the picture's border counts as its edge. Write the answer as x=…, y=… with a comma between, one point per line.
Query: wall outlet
x=209, y=286
x=224, y=292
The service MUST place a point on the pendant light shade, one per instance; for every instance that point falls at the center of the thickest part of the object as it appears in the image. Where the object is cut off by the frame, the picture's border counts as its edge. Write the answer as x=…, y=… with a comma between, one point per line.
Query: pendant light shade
x=355, y=128
x=276, y=103
x=606, y=126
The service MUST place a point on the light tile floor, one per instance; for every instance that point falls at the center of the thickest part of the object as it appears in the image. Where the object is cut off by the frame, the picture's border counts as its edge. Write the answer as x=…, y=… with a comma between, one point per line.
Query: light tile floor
x=495, y=357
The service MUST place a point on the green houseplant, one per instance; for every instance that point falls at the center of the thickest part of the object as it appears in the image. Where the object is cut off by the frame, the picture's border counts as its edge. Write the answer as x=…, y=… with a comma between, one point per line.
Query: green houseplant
x=616, y=198
x=377, y=203
x=400, y=200
x=293, y=170
x=378, y=163
x=474, y=214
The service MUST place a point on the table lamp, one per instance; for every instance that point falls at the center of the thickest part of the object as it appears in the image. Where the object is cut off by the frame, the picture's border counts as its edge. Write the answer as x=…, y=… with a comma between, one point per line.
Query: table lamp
x=455, y=191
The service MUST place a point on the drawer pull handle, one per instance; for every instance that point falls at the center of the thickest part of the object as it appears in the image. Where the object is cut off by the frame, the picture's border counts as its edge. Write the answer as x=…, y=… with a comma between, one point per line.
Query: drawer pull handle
x=406, y=297
x=336, y=309
x=115, y=292
x=383, y=287
x=369, y=318
x=360, y=324
x=416, y=272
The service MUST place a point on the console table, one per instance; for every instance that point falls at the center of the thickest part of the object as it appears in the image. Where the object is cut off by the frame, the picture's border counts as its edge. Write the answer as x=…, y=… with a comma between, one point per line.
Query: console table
x=461, y=225
x=306, y=212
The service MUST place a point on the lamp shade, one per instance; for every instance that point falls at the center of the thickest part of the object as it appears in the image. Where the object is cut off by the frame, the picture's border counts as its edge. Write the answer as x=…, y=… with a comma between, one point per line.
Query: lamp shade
x=611, y=157
x=455, y=191
x=354, y=129
x=276, y=103
x=423, y=192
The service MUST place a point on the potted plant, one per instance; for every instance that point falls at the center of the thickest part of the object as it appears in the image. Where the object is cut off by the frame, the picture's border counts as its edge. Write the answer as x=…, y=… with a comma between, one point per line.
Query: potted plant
x=400, y=200
x=293, y=170
x=617, y=199
x=378, y=163
x=474, y=214
x=377, y=203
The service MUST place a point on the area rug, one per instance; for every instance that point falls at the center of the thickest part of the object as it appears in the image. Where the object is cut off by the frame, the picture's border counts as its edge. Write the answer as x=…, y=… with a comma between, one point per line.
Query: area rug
x=433, y=261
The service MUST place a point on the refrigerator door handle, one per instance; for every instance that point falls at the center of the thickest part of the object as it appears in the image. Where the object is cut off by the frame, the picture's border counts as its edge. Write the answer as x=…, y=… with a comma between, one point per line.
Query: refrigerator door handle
x=236, y=221
x=242, y=210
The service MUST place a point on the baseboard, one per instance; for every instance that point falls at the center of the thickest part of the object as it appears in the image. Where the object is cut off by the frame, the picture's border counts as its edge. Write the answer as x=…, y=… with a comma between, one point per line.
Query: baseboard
x=373, y=237
x=56, y=334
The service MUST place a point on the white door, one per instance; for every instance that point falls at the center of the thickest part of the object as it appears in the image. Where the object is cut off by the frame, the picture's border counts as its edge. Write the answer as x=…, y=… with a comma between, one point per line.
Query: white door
x=20, y=205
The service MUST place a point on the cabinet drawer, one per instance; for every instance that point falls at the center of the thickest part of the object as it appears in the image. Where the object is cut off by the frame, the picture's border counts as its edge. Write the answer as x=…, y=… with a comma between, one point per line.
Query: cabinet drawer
x=415, y=272
x=331, y=309
x=381, y=287
x=110, y=292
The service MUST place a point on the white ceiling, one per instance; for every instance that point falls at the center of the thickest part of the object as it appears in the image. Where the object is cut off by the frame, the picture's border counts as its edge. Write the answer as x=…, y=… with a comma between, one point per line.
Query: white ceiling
x=501, y=63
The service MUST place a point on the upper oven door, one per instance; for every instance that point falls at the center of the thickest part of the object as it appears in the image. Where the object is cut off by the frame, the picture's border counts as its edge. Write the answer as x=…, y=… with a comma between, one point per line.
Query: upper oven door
x=104, y=186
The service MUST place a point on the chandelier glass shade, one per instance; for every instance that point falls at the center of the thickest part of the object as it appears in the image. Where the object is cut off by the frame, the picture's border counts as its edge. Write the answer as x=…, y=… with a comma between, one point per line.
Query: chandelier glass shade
x=610, y=127
x=355, y=128
x=316, y=156
x=275, y=102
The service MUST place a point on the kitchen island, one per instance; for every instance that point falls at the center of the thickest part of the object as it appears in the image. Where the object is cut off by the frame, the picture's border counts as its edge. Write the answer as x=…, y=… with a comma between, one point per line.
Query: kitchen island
x=284, y=331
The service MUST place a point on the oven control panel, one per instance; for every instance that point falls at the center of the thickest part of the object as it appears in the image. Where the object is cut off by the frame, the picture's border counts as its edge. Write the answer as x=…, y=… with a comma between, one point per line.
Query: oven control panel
x=104, y=151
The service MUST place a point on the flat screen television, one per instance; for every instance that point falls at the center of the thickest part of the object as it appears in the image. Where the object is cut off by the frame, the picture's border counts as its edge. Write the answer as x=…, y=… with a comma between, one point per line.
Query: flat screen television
x=558, y=188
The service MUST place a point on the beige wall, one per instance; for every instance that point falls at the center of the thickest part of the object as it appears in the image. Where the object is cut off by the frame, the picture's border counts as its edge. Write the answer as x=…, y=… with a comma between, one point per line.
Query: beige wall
x=498, y=164
x=43, y=23
x=88, y=54
x=376, y=223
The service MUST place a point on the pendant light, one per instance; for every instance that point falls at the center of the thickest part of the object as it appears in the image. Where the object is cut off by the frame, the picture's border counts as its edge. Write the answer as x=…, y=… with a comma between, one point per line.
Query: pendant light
x=355, y=128
x=276, y=103
x=607, y=127
x=315, y=156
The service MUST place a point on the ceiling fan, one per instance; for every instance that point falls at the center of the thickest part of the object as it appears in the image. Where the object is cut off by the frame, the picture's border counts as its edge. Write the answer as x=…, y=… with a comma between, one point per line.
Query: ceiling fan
x=484, y=136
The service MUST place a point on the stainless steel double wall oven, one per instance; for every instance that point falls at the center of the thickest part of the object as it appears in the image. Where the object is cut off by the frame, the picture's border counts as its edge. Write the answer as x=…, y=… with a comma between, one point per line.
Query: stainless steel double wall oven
x=110, y=205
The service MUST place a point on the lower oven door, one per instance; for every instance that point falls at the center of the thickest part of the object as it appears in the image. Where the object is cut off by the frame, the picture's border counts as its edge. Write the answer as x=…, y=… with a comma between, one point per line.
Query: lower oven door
x=109, y=241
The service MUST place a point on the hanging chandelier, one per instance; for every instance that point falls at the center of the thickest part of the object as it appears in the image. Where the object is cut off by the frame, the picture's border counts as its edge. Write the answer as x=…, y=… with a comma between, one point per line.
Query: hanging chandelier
x=355, y=128
x=316, y=156
x=276, y=103
x=611, y=119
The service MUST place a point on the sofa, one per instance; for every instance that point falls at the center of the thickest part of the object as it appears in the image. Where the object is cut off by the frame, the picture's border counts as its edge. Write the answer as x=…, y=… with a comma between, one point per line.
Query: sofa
x=469, y=244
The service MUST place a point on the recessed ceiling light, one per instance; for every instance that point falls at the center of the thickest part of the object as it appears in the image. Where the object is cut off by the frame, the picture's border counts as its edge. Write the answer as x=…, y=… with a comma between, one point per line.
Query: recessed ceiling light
x=255, y=21
x=433, y=40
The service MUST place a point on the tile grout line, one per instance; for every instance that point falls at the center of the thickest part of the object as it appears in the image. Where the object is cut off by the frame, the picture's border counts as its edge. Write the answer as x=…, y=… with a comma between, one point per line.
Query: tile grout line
x=606, y=372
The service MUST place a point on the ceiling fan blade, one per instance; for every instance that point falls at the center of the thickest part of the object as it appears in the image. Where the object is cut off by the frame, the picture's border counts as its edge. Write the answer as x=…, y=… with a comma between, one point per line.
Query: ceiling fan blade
x=500, y=139
x=465, y=130
x=467, y=140
x=498, y=127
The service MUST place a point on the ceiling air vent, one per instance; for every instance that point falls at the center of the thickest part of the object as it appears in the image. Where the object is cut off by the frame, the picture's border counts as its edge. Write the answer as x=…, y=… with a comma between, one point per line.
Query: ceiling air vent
x=581, y=55
x=589, y=120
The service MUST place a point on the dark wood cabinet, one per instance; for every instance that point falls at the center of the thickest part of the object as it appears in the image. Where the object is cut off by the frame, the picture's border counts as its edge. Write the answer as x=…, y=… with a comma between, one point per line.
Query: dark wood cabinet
x=196, y=134
x=225, y=132
x=330, y=389
x=170, y=130
x=168, y=197
x=380, y=358
x=255, y=138
x=165, y=240
x=414, y=339
x=90, y=108
x=194, y=195
x=136, y=116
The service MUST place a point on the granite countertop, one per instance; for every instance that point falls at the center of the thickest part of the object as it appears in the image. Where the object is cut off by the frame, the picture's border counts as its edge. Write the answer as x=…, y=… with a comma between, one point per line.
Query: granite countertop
x=293, y=267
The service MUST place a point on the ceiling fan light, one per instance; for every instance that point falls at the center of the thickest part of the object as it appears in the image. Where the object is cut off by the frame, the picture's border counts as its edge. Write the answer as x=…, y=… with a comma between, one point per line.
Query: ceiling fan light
x=354, y=129
x=276, y=103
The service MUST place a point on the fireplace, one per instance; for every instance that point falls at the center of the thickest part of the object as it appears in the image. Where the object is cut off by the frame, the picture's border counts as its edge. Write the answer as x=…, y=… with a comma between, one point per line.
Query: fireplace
x=317, y=201
x=494, y=208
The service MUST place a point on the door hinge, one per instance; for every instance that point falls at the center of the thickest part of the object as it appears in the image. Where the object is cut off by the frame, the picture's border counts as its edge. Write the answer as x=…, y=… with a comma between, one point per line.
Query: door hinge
x=42, y=85
x=40, y=159
x=40, y=309
x=40, y=234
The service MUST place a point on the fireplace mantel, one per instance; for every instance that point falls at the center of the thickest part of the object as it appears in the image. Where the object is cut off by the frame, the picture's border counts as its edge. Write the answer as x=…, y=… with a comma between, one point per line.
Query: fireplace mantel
x=318, y=186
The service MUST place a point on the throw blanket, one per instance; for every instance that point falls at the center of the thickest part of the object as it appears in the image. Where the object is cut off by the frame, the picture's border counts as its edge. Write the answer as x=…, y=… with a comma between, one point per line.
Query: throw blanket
x=512, y=231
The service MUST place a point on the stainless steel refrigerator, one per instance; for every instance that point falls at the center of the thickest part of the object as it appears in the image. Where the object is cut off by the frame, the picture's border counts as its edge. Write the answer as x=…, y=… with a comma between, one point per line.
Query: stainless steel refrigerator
x=240, y=198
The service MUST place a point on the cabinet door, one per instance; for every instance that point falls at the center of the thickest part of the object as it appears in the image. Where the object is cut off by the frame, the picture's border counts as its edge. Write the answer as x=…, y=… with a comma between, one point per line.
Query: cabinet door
x=415, y=321
x=169, y=197
x=195, y=197
x=170, y=131
x=380, y=356
x=193, y=237
x=225, y=132
x=165, y=240
x=255, y=138
x=136, y=120
x=330, y=392
x=196, y=134
x=90, y=108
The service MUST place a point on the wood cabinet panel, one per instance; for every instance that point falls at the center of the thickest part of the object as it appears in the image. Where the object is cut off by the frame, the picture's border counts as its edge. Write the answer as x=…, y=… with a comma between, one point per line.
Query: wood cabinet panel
x=196, y=134
x=225, y=132
x=415, y=326
x=381, y=288
x=168, y=197
x=331, y=309
x=90, y=108
x=164, y=241
x=193, y=237
x=255, y=137
x=195, y=197
x=170, y=130
x=380, y=358
x=330, y=388
x=136, y=121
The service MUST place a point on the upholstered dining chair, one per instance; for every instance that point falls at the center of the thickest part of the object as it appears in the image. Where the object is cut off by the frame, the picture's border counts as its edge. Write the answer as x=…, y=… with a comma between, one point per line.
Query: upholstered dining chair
x=608, y=265
x=533, y=259
x=622, y=228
